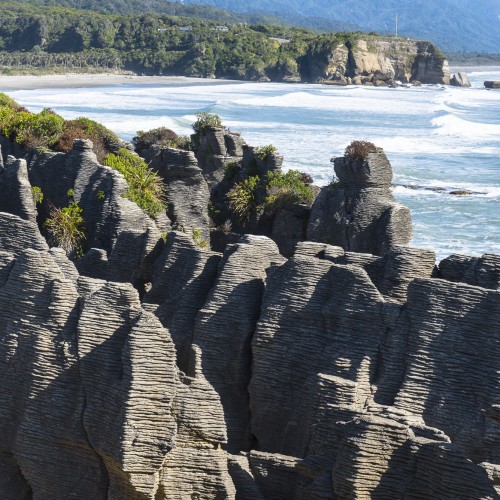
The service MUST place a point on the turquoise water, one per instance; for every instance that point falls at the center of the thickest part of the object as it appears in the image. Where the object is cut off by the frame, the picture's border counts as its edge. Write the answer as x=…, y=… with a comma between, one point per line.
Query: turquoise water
x=434, y=136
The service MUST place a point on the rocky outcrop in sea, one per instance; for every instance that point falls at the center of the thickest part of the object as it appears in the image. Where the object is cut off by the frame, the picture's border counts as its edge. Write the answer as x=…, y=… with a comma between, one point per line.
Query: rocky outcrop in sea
x=348, y=366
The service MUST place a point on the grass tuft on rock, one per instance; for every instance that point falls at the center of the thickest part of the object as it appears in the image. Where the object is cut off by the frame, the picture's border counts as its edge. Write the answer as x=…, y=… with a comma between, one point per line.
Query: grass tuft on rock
x=66, y=228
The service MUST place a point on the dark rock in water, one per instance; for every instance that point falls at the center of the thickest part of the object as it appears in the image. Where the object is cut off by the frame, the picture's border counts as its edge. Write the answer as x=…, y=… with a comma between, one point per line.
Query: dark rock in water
x=491, y=84
x=359, y=213
x=460, y=80
x=461, y=192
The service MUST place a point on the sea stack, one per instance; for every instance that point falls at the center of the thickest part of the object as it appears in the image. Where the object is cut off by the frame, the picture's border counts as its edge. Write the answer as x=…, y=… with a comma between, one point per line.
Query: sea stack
x=358, y=212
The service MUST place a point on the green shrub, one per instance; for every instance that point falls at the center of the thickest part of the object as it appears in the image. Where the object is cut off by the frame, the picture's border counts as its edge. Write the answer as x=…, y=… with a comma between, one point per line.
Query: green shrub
x=264, y=151
x=103, y=139
x=206, y=120
x=199, y=240
x=182, y=142
x=286, y=189
x=5, y=100
x=37, y=194
x=242, y=197
x=31, y=130
x=359, y=150
x=100, y=195
x=145, y=186
x=164, y=237
x=161, y=135
x=231, y=170
x=70, y=193
x=66, y=228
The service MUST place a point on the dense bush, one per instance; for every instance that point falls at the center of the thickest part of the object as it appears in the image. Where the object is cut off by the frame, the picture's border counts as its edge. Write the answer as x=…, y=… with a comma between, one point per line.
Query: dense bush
x=277, y=190
x=103, y=139
x=206, y=120
x=146, y=187
x=286, y=189
x=263, y=152
x=242, y=197
x=30, y=130
x=161, y=135
x=359, y=149
x=66, y=228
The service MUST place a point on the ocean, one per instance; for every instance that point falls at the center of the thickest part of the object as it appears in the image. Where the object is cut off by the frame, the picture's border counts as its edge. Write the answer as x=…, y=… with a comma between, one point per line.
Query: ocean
x=439, y=139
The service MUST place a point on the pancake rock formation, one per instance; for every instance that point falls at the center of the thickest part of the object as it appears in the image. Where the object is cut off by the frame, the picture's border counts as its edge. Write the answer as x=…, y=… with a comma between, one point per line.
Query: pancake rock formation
x=153, y=367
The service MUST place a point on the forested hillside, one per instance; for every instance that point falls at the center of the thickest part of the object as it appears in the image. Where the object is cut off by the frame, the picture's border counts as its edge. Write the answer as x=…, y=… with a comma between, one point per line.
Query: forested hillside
x=317, y=23
x=154, y=44
x=454, y=25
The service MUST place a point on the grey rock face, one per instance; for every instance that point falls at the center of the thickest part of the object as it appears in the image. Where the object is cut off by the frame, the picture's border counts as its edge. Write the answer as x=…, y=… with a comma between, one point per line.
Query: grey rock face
x=460, y=80
x=115, y=224
x=15, y=190
x=224, y=337
x=187, y=190
x=483, y=271
x=360, y=214
x=102, y=403
x=334, y=374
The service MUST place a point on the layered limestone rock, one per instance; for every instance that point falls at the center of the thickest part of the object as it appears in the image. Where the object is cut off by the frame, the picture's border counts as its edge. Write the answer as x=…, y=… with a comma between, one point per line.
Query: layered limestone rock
x=93, y=405
x=380, y=61
x=359, y=213
x=186, y=189
x=152, y=368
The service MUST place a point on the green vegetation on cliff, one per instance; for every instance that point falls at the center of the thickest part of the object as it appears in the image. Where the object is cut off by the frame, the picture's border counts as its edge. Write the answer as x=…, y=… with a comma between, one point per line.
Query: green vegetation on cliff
x=47, y=130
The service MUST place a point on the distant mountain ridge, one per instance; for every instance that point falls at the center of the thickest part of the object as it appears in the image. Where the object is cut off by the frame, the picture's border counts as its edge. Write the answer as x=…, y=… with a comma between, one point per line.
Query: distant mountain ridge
x=454, y=25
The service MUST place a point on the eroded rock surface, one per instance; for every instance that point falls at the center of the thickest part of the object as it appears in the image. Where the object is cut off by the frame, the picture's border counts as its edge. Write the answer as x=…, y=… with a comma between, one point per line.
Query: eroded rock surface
x=153, y=368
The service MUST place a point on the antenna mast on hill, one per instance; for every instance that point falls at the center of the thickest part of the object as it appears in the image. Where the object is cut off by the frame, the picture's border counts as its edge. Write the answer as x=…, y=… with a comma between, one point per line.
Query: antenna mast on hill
x=396, y=24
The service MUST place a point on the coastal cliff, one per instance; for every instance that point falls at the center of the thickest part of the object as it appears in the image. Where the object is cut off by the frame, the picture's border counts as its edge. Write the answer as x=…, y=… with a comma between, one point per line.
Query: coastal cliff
x=378, y=61
x=157, y=367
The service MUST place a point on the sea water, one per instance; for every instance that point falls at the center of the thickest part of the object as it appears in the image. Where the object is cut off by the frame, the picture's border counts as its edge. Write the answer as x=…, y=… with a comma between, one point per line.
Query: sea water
x=439, y=139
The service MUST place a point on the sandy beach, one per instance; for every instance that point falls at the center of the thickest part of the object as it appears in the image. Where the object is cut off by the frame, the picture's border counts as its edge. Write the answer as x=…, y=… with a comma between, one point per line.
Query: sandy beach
x=31, y=82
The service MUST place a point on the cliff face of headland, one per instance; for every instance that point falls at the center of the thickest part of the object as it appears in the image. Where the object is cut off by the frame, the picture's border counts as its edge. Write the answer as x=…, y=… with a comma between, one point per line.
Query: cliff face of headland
x=153, y=368
x=378, y=61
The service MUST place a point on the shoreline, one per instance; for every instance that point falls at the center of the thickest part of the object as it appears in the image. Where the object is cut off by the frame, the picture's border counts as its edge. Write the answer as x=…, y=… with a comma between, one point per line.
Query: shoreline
x=86, y=80
x=80, y=80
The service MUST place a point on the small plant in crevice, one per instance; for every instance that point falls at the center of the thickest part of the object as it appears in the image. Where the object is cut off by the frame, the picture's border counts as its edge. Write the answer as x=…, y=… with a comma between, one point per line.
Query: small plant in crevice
x=100, y=195
x=198, y=239
x=66, y=228
x=37, y=194
x=164, y=237
x=71, y=193
x=359, y=150
x=263, y=152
